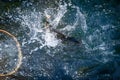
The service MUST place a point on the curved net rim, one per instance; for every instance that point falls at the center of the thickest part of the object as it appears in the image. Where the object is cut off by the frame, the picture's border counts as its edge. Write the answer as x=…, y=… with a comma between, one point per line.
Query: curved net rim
x=14, y=70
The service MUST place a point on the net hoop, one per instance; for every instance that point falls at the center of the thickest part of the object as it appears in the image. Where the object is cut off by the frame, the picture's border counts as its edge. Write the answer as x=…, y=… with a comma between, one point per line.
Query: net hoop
x=14, y=70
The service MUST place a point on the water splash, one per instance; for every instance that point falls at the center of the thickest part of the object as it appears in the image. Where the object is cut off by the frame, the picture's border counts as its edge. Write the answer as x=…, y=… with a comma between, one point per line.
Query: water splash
x=50, y=39
x=34, y=21
x=41, y=42
x=42, y=49
x=43, y=58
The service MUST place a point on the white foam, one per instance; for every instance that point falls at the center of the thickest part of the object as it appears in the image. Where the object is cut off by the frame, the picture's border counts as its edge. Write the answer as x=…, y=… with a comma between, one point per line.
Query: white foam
x=60, y=14
x=50, y=39
x=80, y=21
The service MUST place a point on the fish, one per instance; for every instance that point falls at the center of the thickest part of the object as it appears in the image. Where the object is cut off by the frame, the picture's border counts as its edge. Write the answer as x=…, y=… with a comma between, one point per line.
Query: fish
x=60, y=35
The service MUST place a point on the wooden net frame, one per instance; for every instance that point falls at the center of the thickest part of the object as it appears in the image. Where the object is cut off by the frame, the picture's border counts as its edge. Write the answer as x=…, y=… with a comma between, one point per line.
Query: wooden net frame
x=14, y=70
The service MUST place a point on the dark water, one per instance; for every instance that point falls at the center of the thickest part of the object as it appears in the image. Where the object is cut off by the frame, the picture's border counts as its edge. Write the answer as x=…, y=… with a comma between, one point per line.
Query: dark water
x=96, y=23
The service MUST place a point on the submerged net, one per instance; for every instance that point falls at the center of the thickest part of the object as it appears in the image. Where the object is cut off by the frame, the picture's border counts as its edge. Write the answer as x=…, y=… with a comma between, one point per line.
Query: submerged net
x=10, y=54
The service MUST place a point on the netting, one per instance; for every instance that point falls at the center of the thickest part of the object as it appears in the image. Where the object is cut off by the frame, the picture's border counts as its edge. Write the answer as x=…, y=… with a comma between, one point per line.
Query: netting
x=10, y=54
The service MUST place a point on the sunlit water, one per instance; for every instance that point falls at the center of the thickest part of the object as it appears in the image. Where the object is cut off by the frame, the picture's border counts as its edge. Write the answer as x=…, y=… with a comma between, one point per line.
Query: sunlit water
x=48, y=57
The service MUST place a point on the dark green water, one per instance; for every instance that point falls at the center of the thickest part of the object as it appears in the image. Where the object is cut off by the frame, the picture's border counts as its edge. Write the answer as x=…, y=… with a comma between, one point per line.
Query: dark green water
x=96, y=23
